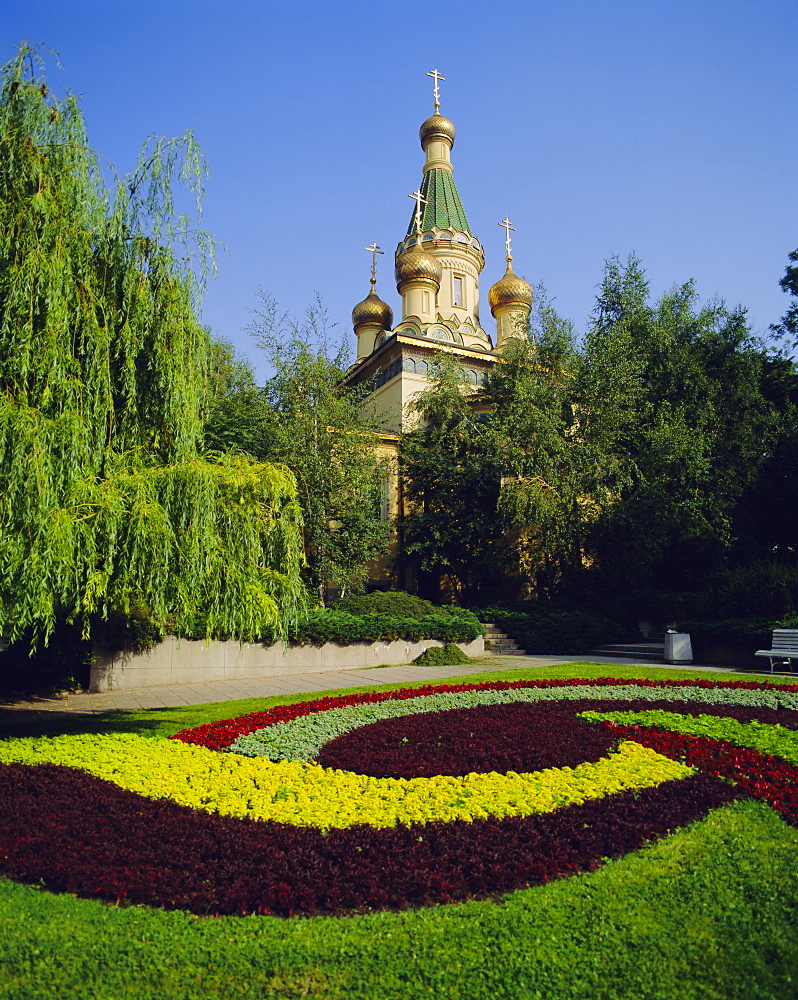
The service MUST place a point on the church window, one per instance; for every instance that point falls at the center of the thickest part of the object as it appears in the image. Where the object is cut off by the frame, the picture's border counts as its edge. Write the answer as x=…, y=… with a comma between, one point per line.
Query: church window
x=426, y=302
x=427, y=237
x=444, y=235
x=422, y=368
x=409, y=365
x=457, y=290
x=438, y=333
x=472, y=378
x=462, y=238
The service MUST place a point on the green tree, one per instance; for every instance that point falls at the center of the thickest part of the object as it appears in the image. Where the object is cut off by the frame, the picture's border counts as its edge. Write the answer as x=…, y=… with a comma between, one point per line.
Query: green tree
x=788, y=327
x=678, y=390
x=500, y=482
x=451, y=481
x=315, y=425
x=556, y=480
x=106, y=501
x=237, y=414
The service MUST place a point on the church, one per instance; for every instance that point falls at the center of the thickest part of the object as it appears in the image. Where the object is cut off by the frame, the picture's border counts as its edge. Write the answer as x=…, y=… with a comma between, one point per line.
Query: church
x=438, y=264
x=437, y=268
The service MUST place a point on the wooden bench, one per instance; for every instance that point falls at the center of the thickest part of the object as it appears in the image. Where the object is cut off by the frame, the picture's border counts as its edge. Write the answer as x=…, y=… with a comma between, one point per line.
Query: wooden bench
x=785, y=646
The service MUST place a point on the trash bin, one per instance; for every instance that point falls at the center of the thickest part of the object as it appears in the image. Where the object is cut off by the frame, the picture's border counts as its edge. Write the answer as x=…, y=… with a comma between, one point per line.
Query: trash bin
x=678, y=648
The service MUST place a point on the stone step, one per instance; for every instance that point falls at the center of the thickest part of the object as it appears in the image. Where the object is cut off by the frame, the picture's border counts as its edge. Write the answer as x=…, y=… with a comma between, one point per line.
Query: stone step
x=500, y=643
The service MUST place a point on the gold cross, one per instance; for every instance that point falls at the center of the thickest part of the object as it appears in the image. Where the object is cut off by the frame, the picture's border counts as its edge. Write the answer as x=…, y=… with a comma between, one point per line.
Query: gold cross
x=436, y=90
x=419, y=200
x=507, y=227
x=374, y=250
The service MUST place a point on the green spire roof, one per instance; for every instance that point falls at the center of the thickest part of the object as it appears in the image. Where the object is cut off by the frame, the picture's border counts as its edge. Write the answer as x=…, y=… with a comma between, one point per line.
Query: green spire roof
x=443, y=207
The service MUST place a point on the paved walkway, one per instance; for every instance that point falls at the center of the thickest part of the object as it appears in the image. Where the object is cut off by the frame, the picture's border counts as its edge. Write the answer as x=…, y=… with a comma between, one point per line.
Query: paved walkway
x=202, y=694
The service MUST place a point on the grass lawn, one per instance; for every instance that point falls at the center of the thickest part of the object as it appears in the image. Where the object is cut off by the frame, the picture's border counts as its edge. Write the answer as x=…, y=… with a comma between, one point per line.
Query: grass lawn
x=709, y=912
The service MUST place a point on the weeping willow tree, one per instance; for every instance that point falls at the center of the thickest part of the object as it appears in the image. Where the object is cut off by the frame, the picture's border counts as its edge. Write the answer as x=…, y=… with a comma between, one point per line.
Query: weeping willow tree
x=106, y=503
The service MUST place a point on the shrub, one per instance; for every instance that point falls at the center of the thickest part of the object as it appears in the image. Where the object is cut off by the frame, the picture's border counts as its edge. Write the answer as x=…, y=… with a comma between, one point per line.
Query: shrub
x=63, y=665
x=766, y=589
x=395, y=603
x=332, y=625
x=711, y=640
x=133, y=632
x=448, y=655
x=553, y=630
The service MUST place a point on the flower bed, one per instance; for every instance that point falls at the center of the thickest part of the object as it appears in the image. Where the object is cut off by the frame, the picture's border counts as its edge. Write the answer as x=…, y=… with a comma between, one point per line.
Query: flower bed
x=391, y=799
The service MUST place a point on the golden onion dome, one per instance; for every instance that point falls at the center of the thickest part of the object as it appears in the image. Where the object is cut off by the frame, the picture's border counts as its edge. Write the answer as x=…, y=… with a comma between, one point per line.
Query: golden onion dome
x=436, y=127
x=510, y=291
x=372, y=311
x=415, y=264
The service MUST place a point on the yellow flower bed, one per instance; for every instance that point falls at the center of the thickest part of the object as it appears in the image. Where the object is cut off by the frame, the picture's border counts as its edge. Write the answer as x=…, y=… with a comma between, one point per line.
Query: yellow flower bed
x=310, y=795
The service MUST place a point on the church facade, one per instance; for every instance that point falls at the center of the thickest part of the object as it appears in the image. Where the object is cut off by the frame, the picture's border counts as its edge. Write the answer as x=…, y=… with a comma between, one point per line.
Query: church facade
x=438, y=264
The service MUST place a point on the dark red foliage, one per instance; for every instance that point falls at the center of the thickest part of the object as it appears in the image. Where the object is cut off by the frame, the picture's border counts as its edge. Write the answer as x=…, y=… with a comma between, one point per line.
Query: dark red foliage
x=521, y=736
x=216, y=735
x=79, y=834
x=755, y=773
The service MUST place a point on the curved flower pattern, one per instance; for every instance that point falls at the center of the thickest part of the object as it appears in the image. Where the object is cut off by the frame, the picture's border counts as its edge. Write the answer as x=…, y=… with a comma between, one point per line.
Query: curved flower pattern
x=445, y=809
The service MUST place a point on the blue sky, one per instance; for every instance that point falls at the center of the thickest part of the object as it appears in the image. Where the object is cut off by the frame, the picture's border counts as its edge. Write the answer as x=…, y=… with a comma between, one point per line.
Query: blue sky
x=660, y=127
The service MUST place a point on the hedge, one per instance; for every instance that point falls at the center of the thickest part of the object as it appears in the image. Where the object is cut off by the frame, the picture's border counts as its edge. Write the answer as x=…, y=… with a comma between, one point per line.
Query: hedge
x=341, y=626
x=551, y=631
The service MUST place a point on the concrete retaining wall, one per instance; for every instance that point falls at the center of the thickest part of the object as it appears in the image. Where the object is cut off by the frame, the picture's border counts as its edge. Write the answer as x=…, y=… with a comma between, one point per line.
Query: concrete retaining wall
x=186, y=661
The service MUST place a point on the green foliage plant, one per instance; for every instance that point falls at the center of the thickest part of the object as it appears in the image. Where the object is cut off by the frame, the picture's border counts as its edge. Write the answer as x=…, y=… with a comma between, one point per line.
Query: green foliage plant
x=442, y=656
x=789, y=284
x=237, y=415
x=557, y=480
x=318, y=429
x=695, y=406
x=396, y=603
x=451, y=482
x=107, y=501
x=550, y=630
x=342, y=627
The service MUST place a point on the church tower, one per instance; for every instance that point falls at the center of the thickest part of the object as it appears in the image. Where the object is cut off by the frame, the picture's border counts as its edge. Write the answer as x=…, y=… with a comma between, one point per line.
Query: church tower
x=437, y=270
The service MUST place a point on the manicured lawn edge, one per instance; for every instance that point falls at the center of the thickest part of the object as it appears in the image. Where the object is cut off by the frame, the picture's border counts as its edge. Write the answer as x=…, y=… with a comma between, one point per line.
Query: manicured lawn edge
x=708, y=913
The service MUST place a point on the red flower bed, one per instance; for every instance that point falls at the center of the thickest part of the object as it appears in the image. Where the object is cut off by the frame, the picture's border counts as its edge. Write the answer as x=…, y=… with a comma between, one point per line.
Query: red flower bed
x=520, y=736
x=76, y=833
x=80, y=834
x=216, y=735
x=752, y=772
